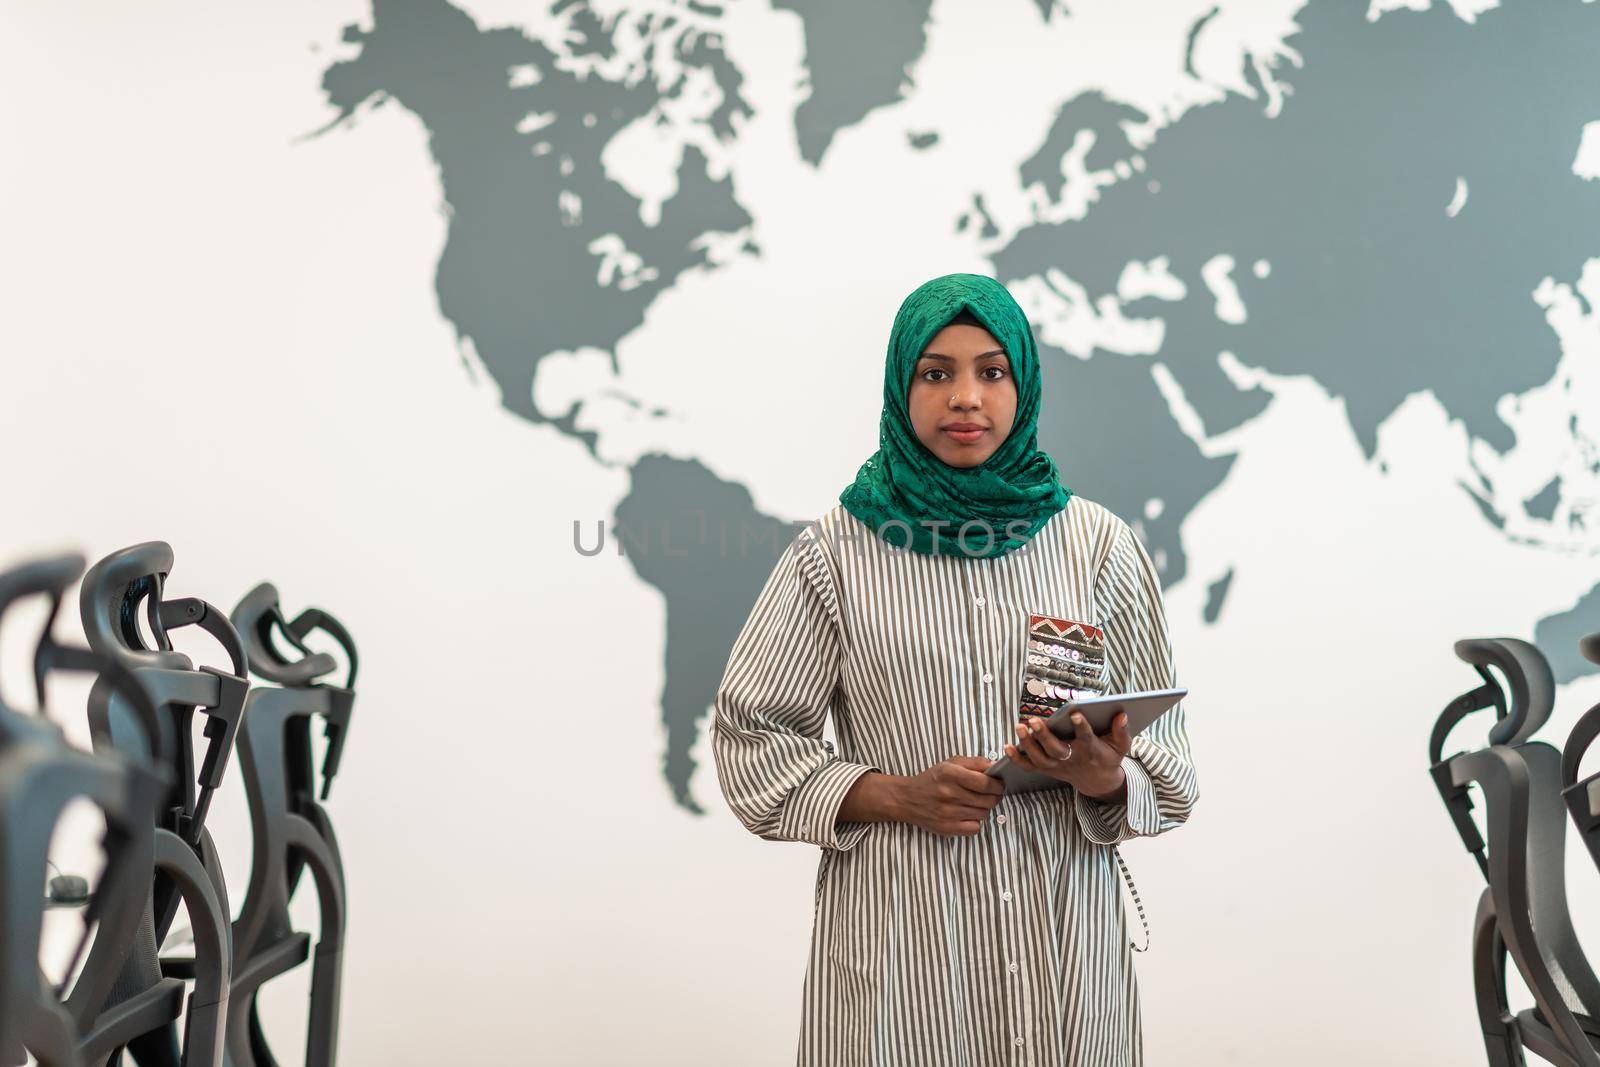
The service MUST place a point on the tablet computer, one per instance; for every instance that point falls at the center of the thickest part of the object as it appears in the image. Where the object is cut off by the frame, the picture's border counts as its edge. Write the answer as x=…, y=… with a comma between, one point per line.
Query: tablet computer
x=1142, y=708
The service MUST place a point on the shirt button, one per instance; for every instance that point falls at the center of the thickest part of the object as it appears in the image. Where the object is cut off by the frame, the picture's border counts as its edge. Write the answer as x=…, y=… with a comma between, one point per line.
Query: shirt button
x=1006, y=896
x=804, y=830
x=1012, y=968
x=994, y=753
x=1001, y=819
x=987, y=677
x=1017, y=1041
x=979, y=602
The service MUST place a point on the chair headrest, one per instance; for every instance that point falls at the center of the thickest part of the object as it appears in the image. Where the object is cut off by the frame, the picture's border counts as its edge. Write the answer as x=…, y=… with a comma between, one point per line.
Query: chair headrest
x=1529, y=678
x=109, y=604
x=1590, y=647
x=255, y=618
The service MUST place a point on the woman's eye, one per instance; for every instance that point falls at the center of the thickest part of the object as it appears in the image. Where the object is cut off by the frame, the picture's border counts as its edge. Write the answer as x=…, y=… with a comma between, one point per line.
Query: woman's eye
x=926, y=375
x=999, y=373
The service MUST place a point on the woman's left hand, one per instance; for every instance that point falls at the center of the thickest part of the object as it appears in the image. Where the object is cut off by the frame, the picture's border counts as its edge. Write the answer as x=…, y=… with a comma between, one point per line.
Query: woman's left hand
x=1090, y=763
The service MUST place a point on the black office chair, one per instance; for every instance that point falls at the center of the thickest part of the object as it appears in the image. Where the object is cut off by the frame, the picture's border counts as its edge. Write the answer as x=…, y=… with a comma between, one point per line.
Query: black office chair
x=185, y=862
x=290, y=830
x=40, y=774
x=1524, y=910
x=1583, y=797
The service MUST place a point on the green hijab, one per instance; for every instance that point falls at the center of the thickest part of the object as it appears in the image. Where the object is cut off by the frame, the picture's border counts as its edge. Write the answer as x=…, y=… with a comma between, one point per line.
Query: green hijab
x=903, y=485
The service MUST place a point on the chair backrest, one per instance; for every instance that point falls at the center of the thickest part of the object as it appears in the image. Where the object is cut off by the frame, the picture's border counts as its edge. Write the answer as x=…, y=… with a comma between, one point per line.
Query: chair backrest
x=40, y=773
x=1524, y=863
x=112, y=593
x=1527, y=877
x=291, y=831
x=1521, y=708
x=184, y=866
x=1583, y=796
x=257, y=617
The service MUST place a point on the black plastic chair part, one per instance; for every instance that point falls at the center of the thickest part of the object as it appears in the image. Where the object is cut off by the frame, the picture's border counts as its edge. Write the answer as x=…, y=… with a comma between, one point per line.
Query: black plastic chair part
x=38, y=778
x=1527, y=905
x=264, y=937
x=256, y=617
x=1527, y=674
x=112, y=592
x=40, y=773
x=1583, y=797
x=1502, y=1033
x=1518, y=716
x=184, y=864
x=1523, y=860
x=290, y=830
x=1506, y=1032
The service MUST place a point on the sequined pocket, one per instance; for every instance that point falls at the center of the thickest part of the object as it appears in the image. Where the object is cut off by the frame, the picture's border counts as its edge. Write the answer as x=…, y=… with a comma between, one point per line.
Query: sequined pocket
x=1065, y=660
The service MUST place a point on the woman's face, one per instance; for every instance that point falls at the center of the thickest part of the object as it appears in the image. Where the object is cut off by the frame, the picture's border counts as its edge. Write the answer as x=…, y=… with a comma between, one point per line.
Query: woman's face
x=962, y=396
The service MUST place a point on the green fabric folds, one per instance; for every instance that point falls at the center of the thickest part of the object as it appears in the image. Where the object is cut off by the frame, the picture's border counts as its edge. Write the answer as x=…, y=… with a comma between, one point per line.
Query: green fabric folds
x=904, y=491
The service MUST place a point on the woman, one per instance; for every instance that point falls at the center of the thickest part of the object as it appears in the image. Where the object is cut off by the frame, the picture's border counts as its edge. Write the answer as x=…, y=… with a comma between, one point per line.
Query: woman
x=956, y=925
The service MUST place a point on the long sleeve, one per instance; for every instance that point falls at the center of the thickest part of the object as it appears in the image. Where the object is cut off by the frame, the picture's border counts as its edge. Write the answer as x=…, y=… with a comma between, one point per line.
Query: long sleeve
x=782, y=780
x=1160, y=773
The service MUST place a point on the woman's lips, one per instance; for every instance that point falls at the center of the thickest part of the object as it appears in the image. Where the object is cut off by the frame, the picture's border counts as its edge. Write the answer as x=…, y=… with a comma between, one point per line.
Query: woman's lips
x=966, y=437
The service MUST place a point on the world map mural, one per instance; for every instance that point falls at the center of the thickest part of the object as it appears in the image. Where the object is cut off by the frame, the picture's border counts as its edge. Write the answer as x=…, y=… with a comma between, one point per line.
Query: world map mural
x=1389, y=207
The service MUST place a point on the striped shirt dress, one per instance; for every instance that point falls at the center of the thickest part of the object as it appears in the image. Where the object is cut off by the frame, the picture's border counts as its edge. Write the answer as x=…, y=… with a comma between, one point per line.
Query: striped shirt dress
x=1008, y=947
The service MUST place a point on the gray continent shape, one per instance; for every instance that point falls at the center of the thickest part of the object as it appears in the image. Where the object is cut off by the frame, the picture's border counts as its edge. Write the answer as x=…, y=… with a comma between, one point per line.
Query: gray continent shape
x=858, y=57
x=516, y=276
x=1344, y=194
x=1557, y=637
x=699, y=541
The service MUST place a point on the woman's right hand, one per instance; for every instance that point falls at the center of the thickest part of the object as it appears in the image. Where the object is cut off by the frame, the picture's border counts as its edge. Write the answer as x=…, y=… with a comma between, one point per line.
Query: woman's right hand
x=951, y=798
